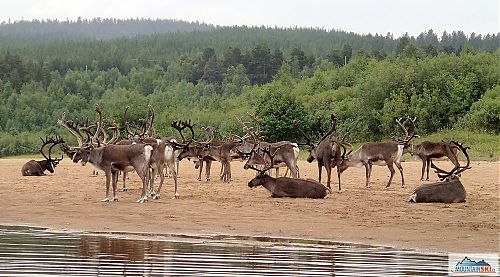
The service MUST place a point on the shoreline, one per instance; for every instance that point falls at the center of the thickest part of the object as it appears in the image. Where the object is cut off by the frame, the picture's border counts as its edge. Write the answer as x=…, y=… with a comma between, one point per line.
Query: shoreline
x=226, y=238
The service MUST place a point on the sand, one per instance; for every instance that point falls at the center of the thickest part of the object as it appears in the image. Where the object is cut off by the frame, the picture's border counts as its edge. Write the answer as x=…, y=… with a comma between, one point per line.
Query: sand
x=70, y=198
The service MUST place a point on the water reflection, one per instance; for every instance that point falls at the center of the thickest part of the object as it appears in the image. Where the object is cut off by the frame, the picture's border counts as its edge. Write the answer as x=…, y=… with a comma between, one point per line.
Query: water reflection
x=33, y=251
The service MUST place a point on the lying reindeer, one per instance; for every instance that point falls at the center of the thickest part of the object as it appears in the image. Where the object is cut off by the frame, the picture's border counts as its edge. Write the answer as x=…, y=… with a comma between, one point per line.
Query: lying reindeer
x=38, y=168
x=284, y=186
x=450, y=190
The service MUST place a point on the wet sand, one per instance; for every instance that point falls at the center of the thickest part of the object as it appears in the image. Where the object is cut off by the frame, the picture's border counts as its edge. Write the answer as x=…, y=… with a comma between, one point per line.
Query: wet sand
x=70, y=199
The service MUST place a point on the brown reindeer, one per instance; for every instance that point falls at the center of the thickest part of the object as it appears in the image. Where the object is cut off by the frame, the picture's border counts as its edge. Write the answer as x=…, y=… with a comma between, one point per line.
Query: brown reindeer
x=429, y=150
x=450, y=190
x=287, y=154
x=164, y=154
x=284, y=186
x=112, y=158
x=195, y=152
x=327, y=152
x=381, y=153
x=37, y=168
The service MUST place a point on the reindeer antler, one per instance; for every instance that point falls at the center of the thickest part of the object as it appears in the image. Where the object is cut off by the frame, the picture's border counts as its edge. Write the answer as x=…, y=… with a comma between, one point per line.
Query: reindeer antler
x=180, y=126
x=68, y=125
x=267, y=151
x=333, y=120
x=443, y=174
x=407, y=137
x=296, y=124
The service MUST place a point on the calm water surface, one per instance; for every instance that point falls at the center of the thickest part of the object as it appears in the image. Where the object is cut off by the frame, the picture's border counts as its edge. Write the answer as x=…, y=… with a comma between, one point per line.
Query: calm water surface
x=28, y=251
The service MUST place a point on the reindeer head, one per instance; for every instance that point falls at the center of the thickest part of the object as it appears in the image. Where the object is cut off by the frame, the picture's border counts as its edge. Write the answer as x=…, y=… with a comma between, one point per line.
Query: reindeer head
x=250, y=140
x=180, y=126
x=407, y=146
x=92, y=140
x=313, y=147
x=258, y=155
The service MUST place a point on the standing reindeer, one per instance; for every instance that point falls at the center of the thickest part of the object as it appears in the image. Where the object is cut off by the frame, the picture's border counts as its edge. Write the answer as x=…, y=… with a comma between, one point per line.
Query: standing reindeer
x=112, y=158
x=326, y=152
x=428, y=150
x=287, y=155
x=283, y=186
x=381, y=153
x=37, y=168
x=450, y=190
x=164, y=154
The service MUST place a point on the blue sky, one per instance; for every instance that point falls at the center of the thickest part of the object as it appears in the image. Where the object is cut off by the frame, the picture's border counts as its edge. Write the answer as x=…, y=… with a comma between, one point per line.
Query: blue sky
x=360, y=16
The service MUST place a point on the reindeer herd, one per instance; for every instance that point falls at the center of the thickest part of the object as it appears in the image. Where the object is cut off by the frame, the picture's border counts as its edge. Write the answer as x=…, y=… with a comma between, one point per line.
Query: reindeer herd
x=150, y=157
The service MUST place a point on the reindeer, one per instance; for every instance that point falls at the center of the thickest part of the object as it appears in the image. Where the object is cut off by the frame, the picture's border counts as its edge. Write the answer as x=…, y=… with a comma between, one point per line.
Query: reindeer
x=287, y=155
x=326, y=152
x=37, y=168
x=220, y=151
x=196, y=152
x=428, y=150
x=283, y=186
x=450, y=190
x=381, y=153
x=112, y=158
x=165, y=154
x=137, y=134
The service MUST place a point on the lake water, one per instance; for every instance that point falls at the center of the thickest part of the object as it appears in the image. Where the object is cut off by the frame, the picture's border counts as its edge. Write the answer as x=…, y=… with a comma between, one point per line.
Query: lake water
x=26, y=251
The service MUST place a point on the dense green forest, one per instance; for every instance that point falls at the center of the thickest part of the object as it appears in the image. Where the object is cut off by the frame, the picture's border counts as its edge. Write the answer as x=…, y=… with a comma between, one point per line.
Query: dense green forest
x=209, y=74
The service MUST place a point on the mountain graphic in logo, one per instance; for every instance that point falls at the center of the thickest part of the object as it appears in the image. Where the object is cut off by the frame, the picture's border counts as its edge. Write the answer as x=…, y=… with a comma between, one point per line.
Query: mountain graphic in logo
x=468, y=262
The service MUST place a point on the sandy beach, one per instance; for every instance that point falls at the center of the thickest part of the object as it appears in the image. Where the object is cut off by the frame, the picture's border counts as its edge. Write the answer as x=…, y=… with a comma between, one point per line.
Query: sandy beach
x=70, y=199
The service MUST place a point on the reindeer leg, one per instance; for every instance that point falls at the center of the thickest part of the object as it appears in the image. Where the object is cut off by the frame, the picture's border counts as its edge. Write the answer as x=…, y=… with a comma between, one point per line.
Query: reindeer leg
x=174, y=175
x=114, y=181
x=398, y=165
x=319, y=171
x=328, y=168
x=200, y=169
x=227, y=169
x=152, y=177
x=338, y=175
x=294, y=169
x=124, y=178
x=424, y=165
x=368, y=172
x=391, y=168
x=144, y=174
x=428, y=166
x=156, y=195
x=107, y=173
x=207, y=169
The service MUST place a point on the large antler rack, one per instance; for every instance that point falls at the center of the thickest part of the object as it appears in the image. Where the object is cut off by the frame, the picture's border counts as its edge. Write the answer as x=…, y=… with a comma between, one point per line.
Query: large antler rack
x=180, y=126
x=408, y=137
x=269, y=165
x=346, y=147
x=70, y=126
x=333, y=128
x=53, y=142
x=116, y=133
x=443, y=174
x=296, y=124
x=138, y=131
x=255, y=135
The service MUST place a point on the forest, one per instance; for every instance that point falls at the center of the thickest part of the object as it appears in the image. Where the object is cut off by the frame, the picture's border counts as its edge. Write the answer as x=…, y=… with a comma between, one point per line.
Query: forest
x=209, y=73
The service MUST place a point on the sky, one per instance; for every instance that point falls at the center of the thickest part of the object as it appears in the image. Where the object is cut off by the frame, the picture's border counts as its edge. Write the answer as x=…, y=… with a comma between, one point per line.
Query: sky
x=360, y=16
